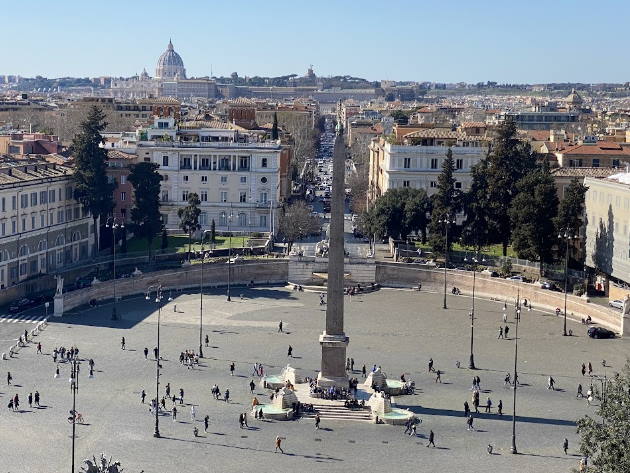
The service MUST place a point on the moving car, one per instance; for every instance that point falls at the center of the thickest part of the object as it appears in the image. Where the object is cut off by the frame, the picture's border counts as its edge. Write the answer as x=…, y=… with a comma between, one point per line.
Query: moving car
x=600, y=332
x=518, y=277
x=616, y=304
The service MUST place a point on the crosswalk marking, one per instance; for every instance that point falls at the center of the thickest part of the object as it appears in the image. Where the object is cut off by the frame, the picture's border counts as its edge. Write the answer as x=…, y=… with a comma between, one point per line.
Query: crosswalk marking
x=29, y=319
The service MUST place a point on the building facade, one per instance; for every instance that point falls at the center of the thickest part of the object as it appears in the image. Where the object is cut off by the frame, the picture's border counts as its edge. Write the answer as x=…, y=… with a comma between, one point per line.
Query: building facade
x=237, y=179
x=42, y=228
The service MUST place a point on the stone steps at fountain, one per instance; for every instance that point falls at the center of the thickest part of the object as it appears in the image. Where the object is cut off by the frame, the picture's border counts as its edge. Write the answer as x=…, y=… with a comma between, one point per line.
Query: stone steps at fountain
x=333, y=412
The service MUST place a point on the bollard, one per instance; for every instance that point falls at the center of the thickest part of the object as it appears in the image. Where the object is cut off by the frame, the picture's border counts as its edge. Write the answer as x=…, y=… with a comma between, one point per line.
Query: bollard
x=4, y=356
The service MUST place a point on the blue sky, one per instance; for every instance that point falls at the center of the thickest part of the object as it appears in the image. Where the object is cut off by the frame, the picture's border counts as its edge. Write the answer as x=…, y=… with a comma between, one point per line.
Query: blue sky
x=445, y=41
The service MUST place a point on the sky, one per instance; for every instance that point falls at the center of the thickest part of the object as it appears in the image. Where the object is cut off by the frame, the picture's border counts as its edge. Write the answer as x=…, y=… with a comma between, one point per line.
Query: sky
x=530, y=41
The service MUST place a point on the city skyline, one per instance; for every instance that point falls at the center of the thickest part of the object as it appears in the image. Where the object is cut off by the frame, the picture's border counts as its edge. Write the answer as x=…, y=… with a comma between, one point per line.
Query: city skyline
x=445, y=43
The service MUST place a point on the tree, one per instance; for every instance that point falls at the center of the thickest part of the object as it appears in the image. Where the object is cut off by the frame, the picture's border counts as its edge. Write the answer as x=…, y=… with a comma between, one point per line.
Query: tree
x=475, y=231
x=606, y=443
x=213, y=231
x=400, y=117
x=397, y=213
x=145, y=214
x=446, y=204
x=571, y=208
x=91, y=186
x=508, y=160
x=297, y=222
x=164, y=244
x=274, y=127
x=532, y=213
x=189, y=218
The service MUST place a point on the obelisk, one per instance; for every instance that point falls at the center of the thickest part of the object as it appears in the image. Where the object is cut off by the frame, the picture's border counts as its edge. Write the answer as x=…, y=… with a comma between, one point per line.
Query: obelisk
x=334, y=340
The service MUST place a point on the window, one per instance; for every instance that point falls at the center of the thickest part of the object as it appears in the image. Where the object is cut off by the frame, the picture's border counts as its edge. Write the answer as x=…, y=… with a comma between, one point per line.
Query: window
x=51, y=218
x=123, y=196
x=242, y=220
x=164, y=160
x=205, y=163
x=123, y=179
x=23, y=268
x=243, y=179
x=185, y=178
x=42, y=220
x=185, y=196
x=263, y=163
x=459, y=164
x=68, y=215
x=243, y=163
x=224, y=196
x=434, y=163
x=23, y=201
x=263, y=197
x=33, y=199
x=595, y=162
x=242, y=196
x=204, y=178
x=203, y=218
x=224, y=163
x=262, y=221
x=43, y=197
x=68, y=193
x=77, y=213
x=164, y=196
x=14, y=202
x=23, y=250
x=405, y=183
x=4, y=203
x=203, y=196
x=186, y=163
x=13, y=226
x=223, y=219
x=458, y=185
x=33, y=266
x=51, y=196
x=33, y=224
x=3, y=228
x=23, y=224
x=223, y=179
x=615, y=164
x=407, y=164
x=433, y=184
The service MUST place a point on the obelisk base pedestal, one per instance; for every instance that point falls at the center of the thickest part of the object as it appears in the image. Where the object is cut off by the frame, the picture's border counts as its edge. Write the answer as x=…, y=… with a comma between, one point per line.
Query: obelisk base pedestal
x=333, y=372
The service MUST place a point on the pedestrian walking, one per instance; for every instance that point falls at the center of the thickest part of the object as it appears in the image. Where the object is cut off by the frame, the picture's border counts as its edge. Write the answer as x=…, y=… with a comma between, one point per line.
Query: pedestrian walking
x=146, y=352
x=168, y=390
x=193, y=413
x=30, y=399
x=438, y=376
x=469, y=423
x=583, y=369
x=413, y=432
x=579, y=392
x=207, y=340
x=232, y=369
x=590, y=368
x=407, y=427
x=174, y=307
x=565, y=445
x=363, y=371
x=280, y=327
x=227, y=395
x=9, y=378
x=551, y=383
x=352, y=364
x=466, y=409
x=278, y=443
x=57, y=371
x=488, y=405
x=122, y=343
x=430, y=364
x=505, y=331
x=500, y=407
x=181, y=395
x=174, y=413
x=504, y=318
x=39, y=348
x=290, y=351
x=16, y=402
x=431, y=439
x=252, y=386
x=317, y=421
x=507, y=380
x=155, y=352
x=143, y=395
x=206, y=422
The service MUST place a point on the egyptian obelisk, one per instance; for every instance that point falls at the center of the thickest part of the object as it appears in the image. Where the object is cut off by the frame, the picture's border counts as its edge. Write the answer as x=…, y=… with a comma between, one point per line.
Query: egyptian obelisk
x=334, y=340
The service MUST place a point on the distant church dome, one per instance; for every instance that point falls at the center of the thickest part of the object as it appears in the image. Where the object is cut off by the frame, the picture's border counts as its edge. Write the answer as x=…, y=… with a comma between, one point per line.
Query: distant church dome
x=170, y=64
x=574, y=98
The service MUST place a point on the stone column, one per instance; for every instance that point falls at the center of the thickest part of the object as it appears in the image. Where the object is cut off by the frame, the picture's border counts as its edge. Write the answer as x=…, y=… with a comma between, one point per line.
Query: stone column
x=334, y=340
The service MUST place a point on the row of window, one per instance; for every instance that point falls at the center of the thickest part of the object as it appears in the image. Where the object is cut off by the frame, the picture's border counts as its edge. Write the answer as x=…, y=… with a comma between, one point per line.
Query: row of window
x=434, y=163
x=35, y=198
x=223, y=196
x=42, y=245
x=432, y=184
x=26, y=224
x=218, y=163
x=55, y=259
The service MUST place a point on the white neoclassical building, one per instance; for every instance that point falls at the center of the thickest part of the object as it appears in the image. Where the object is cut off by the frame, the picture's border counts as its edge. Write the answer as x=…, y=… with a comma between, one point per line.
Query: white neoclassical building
x=237, y=178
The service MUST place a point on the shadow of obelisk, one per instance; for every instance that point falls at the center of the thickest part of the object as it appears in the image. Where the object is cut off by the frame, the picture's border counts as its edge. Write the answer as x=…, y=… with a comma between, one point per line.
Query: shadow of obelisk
x=334, y=340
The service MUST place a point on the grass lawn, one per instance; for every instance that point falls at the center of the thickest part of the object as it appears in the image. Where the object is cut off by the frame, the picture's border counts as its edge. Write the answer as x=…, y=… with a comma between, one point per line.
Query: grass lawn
x=179, y=243
x=493, y=250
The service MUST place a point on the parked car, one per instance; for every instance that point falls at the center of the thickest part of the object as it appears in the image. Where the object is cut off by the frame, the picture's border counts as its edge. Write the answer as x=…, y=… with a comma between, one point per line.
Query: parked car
x=516, y=277
x=616, y=304
x=600, y=332
x=20, y=305
x=489, y=272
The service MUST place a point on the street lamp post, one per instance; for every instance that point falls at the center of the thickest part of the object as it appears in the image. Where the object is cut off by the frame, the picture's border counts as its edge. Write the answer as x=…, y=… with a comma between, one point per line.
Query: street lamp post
x=114, y=223
x=474, y=262
x=158, y=298
x=446, y=221
x=518, y=318
x=203, y=257
x=229, y=220
x=567, y=237
x=74, y=387
x=46, y=305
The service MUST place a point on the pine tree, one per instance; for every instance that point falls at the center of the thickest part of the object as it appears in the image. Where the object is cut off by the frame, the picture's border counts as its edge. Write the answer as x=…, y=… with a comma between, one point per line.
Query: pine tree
x=532, y=213
x=446, y=204
x=508, y=160
x=475, y=231
x=274, y=128
x=189, y=218
x=145, y=214
x=91, y=185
